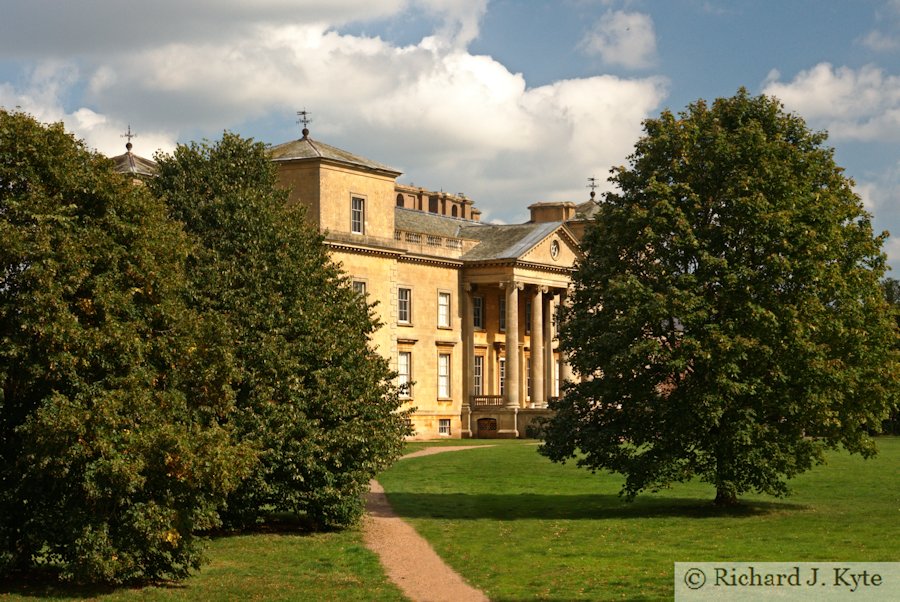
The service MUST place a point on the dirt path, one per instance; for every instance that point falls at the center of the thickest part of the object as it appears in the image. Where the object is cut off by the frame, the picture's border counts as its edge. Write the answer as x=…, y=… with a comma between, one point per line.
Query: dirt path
x=410, y=561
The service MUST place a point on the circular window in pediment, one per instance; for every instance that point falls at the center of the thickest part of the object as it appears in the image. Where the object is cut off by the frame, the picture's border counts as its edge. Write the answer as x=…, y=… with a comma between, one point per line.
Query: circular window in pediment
x=554, y=249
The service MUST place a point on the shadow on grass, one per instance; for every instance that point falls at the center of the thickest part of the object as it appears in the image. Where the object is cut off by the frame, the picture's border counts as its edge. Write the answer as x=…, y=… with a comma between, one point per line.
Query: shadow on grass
x=272, y=524
x=46, y=584
x=507, y=507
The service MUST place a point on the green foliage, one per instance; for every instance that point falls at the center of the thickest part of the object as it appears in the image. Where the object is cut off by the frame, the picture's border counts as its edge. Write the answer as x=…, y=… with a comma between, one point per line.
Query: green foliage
x=891, y=288
x=313, y=396
x=111, y=448
x=727, y=320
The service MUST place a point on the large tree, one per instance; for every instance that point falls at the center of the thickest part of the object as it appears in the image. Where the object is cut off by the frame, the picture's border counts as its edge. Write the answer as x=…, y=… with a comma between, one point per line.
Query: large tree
x=891, y=288
x=112, y=445
x=313, y=396
x=727, y=320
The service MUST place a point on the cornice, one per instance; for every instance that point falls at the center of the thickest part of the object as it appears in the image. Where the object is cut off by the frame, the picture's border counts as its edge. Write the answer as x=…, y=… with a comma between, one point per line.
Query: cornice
x=362, y=250
x=515, y=263
x=398, y=254
x=428, y=260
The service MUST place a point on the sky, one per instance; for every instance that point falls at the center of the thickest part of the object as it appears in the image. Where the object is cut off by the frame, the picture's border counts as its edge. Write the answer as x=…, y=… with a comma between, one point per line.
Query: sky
x=509, y=102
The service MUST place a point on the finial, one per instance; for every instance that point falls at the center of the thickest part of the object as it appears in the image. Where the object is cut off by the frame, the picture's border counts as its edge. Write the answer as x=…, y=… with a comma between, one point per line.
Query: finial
x=593, y=186
x=129, y=135
x=305, y=121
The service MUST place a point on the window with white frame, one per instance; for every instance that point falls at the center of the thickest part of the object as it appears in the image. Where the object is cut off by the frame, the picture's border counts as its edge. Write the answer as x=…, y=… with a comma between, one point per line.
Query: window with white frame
x=359, y=287
x=479, y=375
x=478, y=312
x=502, y=371
x=502, y=317
x=443, y=310
x=443, y=375
x=444, y=427
x=404, y=305
x=357, y=215
x=404, y=373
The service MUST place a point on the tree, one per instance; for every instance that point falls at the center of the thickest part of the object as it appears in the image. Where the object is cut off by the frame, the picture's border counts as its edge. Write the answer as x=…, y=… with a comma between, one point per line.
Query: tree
x=313, y=396
x=114, y=444
x=891, y=288
x=727, y=320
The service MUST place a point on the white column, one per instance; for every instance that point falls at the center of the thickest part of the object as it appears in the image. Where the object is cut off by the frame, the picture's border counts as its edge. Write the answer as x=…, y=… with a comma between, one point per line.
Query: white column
x=537, y=347
x=512, y=383
x=549, y=364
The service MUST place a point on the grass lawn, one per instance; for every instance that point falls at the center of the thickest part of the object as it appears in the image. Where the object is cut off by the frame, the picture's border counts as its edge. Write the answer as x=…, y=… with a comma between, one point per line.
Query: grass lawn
x=522, y=528
x=329, y=566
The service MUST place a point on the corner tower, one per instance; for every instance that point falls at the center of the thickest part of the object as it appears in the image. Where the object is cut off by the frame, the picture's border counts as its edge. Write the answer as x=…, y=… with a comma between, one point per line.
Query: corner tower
x=344, y=194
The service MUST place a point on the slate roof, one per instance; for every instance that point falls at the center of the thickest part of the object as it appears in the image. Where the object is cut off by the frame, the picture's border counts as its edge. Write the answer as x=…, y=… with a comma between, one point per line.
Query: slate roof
x=505, y=241
x=129, y=163
x=424, y=222
x=495, y=241
x=307, y=148
x=587, y=210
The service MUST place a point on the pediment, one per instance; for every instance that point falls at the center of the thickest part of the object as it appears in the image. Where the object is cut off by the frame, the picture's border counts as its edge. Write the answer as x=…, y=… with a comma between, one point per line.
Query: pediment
x=557, y=249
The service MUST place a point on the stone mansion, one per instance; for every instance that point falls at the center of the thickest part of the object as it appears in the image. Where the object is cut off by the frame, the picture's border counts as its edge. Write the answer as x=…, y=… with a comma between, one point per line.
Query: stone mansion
x=467, y=308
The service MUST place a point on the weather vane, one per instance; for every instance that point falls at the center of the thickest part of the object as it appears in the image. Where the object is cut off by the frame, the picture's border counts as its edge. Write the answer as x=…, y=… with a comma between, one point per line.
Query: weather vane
x=304, y=120
x=128, y=135
x=593, y=186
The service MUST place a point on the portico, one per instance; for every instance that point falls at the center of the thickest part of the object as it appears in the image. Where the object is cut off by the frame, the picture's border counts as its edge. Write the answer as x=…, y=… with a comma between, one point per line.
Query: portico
x=512, y=364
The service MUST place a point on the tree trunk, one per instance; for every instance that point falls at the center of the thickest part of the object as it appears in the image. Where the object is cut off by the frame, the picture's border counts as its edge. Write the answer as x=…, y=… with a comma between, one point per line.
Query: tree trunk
x=726, y=496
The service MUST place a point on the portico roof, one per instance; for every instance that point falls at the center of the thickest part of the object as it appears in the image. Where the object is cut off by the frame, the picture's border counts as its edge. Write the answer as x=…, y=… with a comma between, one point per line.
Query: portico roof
x=506, y=241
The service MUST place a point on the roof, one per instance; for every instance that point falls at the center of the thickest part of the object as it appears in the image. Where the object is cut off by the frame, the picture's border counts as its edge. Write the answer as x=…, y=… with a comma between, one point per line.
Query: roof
x=129, y=163
x=587, y=210
x=506, y=241
x=307, y=148
x=414, y=220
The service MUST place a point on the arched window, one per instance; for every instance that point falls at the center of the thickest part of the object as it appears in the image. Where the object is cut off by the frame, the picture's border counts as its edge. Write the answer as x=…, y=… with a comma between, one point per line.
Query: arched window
x=454, y=212
x=400, y=202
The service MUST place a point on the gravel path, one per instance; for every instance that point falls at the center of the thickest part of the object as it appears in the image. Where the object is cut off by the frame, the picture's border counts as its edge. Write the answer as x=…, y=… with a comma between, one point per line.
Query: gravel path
x=410, y=561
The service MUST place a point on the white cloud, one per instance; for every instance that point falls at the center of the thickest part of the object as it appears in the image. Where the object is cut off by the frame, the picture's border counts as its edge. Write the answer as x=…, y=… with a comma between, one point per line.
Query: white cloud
x=44, y=84
x=879, y=192
x=852, y=104
x=878, y=41
x=41, y=96
x=461, y=18
x=886, y=38
x=105, y=28
x=623, y=38
x=449, y=119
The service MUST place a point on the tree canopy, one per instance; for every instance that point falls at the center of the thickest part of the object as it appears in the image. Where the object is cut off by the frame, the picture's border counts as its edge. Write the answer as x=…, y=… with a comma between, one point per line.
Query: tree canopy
x=171, y=353
x=727, y=320
x=113, y=448
x=313, y=396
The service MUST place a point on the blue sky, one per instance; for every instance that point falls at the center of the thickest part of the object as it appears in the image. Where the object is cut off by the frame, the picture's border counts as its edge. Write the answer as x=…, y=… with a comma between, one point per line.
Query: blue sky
x=508, y=101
